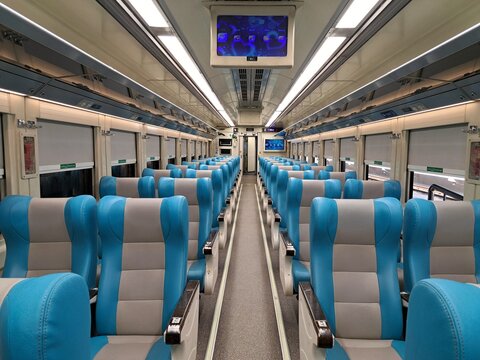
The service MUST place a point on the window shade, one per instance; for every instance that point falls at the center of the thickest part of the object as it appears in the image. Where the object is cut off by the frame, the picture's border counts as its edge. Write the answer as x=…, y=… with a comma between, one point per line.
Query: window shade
x=328, y=153
x=123, y=145
x=153, y=146
x=348, y=148
x=316, y=148
x=184, y=148
x=170, y=148
x=378, y=148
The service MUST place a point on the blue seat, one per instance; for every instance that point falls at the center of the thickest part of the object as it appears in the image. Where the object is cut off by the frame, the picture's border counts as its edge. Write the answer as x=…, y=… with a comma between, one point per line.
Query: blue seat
x=441, y=240
x=49, y=235
x=46, y=317
x=202, y=251
x=135, y=187
x=369, y=189
x=342, y=176
x=316, y=168
x=157, y=174
x=183, y=168
x=443, y=321
x=300, y=193
x=143, y=280
x=353, y=257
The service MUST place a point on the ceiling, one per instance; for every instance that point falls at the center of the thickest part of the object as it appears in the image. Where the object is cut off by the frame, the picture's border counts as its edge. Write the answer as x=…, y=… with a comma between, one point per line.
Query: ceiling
x=414, y=30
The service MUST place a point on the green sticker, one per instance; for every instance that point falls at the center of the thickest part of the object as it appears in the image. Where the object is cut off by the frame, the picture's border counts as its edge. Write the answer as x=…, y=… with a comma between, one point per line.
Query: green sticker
x=377, y=162
x=435, y=169
x=347, y=159
x=152, y=157
x=122, y=161
x=68, y=166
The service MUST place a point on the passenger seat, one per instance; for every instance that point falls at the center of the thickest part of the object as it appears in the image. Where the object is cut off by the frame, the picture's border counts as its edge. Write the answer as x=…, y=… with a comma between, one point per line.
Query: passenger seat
x=134, y=187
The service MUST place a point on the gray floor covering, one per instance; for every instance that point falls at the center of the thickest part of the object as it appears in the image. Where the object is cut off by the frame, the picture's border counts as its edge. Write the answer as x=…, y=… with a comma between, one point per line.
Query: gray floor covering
x=248, y=328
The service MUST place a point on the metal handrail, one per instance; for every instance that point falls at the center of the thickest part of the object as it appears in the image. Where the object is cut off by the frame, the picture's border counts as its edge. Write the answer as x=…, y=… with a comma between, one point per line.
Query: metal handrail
x=446, y=192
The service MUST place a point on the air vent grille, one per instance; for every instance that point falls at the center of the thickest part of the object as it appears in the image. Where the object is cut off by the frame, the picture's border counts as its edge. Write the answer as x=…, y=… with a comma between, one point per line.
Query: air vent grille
x=250, y=85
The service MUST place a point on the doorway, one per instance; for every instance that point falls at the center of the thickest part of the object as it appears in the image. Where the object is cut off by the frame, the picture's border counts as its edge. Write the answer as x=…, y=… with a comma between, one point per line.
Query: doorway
x=250, y=151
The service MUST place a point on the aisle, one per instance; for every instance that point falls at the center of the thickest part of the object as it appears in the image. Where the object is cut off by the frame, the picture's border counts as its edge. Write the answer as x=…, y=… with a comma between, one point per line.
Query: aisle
x=248, y=328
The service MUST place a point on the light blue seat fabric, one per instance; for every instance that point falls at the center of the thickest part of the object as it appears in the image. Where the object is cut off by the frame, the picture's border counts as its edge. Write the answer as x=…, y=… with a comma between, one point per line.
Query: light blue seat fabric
x=157, y=174
x=191, y=164
x=441, y=239
x=183, y=168
x=282, y=182
x=145, y=247
x=49, y=235
x=300, y=194
x=46, y=317
x=198, y=192
x=136, y=187
x=443, y=321
x=342, y=176
x=353, y=273
x=370, y=189
x=316, y=168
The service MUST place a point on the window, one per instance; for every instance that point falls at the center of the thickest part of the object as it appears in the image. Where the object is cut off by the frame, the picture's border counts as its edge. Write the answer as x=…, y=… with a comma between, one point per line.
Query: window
x=198, y=152
x=153, y=152
x=328, y=161
x=183, y=149
x=316, y=151
x=437, y=156
x=66, y=158
x=170, y=150
x=328, y=153
x=348, y=154
x=378, y=153
x=124, y=154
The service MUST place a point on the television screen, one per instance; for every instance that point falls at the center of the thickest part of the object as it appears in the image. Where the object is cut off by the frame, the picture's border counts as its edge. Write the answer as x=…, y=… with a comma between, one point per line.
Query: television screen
x=225, y=142
x=274, y=145
x=252, y=35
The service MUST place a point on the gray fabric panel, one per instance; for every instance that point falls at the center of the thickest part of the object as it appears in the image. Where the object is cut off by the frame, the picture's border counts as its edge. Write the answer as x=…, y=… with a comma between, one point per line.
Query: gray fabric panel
x=356, y=287
x=369, y=349
x=358, y=320
x=142, y=221
x=204, y=173
x=306, y=264
x=194, y=213
x=304, y=215
x=339, y=176
x=192, y=249
x=458, y=260
x=455, y=224
x=296, y=174
x=139, y=317
x=54, y=256
x=183, y=168
x=187, y=188
x=312, y=189
x=316, y=170
x=456, y=277
x=213, y=167
x=127, y=187
x=125, y=350
x=304, y=244
x=360, y=258
x=143, y=256
x=46, y=220
x=141, y=285
x=5, y=286
x=356, y=222
x=157, y=174
x=373, y=189
x=284, y=167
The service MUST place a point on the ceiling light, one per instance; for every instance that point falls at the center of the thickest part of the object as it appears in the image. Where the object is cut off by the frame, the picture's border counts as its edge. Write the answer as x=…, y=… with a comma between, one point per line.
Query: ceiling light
x=181, y=55
x=356, y=12
x=150, y=12
x=274, y=117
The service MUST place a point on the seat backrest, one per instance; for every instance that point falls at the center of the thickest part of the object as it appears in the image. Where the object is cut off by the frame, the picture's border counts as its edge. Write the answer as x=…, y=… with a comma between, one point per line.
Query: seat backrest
x=199, y=196
x=47, y=317
x=282, y=183
x=191, y=164
x=441, y=239
x=289, y=167
x=370, y=189
x=300, y=194
x=443, y=321
x=342, y=176
x=144, y=263
x=353, y=266
x=136, y=187
x=316, y=169
x=217, y=188
x=157, y=174
x=49, y=235
x=183, y=168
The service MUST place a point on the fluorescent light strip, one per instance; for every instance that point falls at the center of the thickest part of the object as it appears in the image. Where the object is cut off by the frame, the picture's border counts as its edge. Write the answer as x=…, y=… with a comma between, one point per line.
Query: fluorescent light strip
x=356, y=12
x=181, y=55
x=324, y=52
x=149, y=11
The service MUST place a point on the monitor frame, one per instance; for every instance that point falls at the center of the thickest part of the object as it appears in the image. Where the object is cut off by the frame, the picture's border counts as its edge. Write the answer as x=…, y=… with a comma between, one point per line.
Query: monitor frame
x=279, y=151
x=247, y=10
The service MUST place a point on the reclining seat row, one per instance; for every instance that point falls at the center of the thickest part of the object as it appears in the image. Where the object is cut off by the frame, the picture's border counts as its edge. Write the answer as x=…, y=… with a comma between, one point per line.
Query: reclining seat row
x=134, y=187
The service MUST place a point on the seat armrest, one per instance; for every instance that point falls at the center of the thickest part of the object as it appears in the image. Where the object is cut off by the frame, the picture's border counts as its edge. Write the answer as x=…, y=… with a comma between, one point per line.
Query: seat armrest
x=269, y=200
x=221, y=216
x=227, y=200
x=173, y=333
x=278, y=218
x=289, y=248
x=325, y=338
x=405, y=296
x=93, y=292
x=208, y=247
x=232, y=192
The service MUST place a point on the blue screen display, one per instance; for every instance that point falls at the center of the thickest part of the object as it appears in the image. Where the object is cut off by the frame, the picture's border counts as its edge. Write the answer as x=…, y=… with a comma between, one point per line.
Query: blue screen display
x=252, y=36
x=274, y=145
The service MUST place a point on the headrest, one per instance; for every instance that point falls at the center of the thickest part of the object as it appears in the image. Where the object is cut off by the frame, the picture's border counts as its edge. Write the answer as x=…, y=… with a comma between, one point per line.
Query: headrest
x=369, y=189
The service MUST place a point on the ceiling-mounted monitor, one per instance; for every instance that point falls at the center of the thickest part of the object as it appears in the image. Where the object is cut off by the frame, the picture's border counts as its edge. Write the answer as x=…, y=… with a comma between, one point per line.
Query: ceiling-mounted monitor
x=252, y=36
